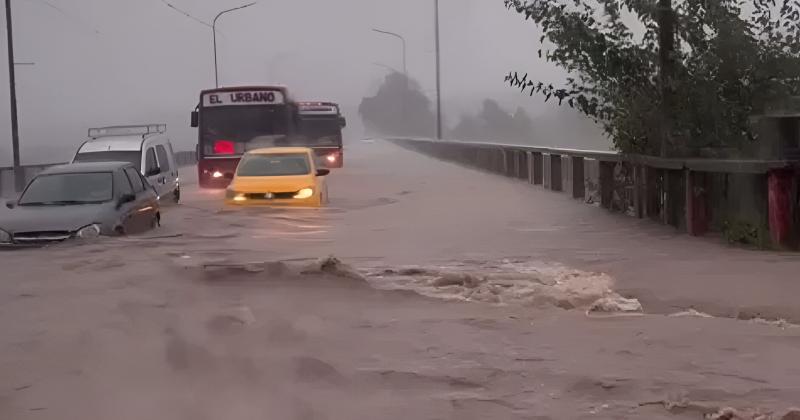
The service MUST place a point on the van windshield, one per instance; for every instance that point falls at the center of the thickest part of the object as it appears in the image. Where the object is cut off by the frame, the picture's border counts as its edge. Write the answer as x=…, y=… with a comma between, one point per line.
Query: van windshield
x=129, y=156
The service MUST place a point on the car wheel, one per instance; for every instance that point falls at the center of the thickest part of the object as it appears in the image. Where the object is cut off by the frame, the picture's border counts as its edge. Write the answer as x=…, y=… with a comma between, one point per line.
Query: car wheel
x=119, y=231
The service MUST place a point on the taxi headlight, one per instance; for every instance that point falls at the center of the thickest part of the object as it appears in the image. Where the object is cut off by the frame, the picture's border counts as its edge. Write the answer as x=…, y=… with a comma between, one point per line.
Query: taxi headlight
x=304, y=193
x=235, y=196
x=88, y=232
x=5, y=237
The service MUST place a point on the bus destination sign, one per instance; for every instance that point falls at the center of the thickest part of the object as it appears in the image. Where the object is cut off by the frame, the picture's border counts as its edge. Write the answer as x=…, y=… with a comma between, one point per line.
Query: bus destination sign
x=251, y=97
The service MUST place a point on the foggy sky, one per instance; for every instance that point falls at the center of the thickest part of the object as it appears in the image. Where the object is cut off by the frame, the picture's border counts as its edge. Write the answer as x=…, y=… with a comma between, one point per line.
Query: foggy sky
x=105, y=62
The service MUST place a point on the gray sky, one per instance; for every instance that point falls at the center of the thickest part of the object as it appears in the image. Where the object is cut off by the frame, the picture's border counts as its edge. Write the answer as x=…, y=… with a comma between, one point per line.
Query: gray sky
x=102, y=62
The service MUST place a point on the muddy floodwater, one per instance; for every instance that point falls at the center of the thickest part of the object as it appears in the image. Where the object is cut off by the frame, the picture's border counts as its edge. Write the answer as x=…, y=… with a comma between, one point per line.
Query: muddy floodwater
x=451, y=294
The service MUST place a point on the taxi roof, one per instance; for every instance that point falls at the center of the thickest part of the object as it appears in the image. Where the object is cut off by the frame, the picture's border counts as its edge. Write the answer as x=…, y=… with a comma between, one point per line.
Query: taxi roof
x=279, y=150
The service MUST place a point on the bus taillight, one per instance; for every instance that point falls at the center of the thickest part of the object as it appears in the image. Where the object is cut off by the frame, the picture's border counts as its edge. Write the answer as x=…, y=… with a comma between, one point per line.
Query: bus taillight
x=224, y=147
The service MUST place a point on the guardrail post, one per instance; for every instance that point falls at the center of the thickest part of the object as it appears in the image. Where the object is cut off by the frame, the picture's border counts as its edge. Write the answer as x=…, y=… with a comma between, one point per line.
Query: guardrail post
x=547, y=171
x=556, y=177
x=606, y=184
x=538, y=168
x=638, y=191
x=524, y=165
x=577, y=182
x=514, y=164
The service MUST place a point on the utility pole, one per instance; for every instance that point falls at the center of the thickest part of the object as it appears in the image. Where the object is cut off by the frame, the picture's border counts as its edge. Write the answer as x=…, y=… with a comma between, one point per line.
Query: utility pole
x=214, y=29
x=403, y=40
x=19, y=181
x=438, y=76
x=666, y=47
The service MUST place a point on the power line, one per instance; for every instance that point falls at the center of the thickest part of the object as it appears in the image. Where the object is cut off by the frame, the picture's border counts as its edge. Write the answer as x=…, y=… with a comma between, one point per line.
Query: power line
x=68, y=15
x=185, y=13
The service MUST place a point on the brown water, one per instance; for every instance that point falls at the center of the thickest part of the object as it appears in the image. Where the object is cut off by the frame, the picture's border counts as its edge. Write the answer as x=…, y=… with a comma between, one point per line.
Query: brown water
x=466, y=298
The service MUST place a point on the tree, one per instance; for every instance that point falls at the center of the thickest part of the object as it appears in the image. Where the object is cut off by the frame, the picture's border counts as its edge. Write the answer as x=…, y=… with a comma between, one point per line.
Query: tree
x=494, y=123
x=399, y=108
x=701, y=69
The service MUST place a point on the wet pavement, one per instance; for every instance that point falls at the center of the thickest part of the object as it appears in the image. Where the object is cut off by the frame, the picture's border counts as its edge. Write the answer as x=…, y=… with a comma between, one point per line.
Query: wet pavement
x=460, y=295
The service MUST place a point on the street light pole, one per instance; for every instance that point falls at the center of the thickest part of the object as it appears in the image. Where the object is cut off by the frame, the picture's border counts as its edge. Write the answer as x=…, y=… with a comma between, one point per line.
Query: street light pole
x=19, y=180
x=214, y=29
x=403, y=40
x=438, y=76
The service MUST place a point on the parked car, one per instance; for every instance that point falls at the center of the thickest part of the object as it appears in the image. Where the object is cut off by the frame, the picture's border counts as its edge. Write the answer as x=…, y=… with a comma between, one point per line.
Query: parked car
x=279, y=176
x=147, y=147
x=82, y=200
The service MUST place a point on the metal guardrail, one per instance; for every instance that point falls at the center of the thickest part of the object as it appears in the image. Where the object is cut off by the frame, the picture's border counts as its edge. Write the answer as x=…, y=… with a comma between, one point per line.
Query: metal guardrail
x=695, y=195
x=744, y=166
x=182, y=159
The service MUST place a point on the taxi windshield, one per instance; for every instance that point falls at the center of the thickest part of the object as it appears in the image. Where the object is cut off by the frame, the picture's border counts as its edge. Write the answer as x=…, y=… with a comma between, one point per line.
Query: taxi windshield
x=285, y=164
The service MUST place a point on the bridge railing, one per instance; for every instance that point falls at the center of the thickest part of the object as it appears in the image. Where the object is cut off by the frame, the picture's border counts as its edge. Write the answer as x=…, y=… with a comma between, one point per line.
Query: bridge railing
x=187, y=158
x=748, y=201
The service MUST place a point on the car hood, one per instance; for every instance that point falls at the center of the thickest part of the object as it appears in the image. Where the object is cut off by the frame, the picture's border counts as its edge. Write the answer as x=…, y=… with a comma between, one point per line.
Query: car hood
x=50, y=218
x=274, y=184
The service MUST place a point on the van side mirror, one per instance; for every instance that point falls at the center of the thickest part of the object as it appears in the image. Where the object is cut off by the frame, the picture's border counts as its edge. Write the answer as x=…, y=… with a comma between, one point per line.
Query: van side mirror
x=323, y=172
x=153, y=171
x=343, y=122
x=195, y=119
x=125, y=199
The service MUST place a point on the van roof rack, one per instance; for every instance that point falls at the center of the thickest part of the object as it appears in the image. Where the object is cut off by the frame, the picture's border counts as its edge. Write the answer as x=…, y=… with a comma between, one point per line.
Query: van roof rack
x=128, y=130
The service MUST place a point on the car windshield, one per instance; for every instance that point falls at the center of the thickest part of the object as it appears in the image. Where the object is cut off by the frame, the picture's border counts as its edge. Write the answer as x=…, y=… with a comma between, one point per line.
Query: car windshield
x=129, y=156
x=274, y=165
x=66, y=189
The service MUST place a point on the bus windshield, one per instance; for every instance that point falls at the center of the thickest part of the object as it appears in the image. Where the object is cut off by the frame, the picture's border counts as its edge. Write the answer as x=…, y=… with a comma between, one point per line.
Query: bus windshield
x=321, y=131
x=239, y=125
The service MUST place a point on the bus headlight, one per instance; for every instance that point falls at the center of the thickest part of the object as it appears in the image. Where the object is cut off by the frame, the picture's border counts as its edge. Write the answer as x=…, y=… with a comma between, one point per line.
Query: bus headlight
x=304, y=193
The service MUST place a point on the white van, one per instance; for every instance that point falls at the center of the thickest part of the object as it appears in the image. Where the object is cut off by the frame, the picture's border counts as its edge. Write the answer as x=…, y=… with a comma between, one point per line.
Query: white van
x=146, y=146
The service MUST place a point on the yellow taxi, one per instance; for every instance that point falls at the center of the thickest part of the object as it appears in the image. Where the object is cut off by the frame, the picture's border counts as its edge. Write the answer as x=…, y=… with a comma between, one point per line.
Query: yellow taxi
x=282, y=176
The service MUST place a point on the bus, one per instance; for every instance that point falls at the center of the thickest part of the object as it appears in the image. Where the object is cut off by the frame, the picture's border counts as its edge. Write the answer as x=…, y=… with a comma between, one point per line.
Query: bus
x=320, y=127
x=234, y=120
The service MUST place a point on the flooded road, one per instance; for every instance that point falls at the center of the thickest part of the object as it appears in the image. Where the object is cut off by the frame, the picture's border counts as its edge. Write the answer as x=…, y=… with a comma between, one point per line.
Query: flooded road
x=459, y=295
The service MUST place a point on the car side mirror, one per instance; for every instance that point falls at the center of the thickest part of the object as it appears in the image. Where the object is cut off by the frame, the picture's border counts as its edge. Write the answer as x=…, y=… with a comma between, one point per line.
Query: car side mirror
x=153, y=171
x=195, y=119
x=323, y=172
x=125, y=199
x=10, y=204
x=343, y=122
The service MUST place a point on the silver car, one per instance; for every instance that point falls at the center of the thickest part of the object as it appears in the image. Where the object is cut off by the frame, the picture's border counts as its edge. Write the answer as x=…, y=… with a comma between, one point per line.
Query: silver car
x=82, y=200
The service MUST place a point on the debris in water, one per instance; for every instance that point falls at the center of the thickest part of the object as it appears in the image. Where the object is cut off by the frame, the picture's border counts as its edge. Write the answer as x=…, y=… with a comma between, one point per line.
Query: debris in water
x=531, y=283
x=334, y=267
x=458, y=279
x=615, y=304
x=691, y=312
x=780, y=323
x=791, y=414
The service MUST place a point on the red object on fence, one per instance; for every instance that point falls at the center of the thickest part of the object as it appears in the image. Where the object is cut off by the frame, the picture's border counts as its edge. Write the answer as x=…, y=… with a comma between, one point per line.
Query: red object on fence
x=780, y=207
